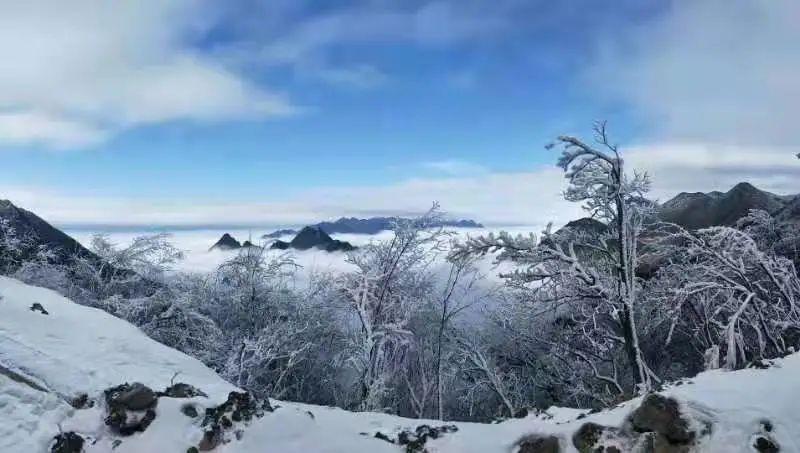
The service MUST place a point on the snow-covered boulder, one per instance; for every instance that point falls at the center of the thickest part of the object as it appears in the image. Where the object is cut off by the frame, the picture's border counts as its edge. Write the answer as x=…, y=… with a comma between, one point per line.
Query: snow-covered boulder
x=55, y=368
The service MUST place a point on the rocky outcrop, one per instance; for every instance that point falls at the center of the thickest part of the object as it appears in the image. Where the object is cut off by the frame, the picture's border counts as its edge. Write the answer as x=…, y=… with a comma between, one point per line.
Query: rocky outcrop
x=538, y=444
x=413, y=441
x=226, y=242
x=656, y=426
x=130, y=408
x=239, y=409
x=662, y=415
x=182, y=390
x=68, y=442
x=313, y=237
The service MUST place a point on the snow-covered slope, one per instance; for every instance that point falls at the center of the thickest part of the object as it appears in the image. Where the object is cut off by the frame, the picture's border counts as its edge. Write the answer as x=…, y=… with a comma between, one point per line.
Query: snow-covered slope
x=46, y=360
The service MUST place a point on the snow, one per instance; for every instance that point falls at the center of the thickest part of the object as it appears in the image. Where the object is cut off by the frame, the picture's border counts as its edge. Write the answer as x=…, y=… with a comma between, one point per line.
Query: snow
x=80, y=349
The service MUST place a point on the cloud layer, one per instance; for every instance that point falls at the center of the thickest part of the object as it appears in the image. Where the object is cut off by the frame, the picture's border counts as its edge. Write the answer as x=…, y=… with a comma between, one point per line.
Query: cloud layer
x=73, y=76
x=711, y=71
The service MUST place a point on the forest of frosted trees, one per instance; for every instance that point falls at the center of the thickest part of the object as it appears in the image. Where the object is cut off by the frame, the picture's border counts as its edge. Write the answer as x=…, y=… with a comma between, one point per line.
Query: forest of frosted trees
x=586, y=317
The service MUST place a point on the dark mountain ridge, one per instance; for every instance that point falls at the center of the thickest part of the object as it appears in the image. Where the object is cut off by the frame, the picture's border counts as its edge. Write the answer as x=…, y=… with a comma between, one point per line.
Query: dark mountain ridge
x=372, y=225
x=26, y=224
x=314, y=237
x=701, y=210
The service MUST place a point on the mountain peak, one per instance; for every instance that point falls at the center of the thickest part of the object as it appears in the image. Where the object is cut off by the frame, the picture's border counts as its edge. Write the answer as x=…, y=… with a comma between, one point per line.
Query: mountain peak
x=701, y=210
x=226, y=242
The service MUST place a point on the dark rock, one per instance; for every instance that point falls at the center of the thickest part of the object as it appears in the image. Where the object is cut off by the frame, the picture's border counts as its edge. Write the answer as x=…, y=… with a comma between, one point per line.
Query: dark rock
x=239, y=407
x=588, y=435
x=414, y=441
x=133, y=397
x=538, y=444
x=68, y=442
x=38, y=307
x=81, y=401
x=182, y=390
x=192, y=450
x=130, y=408
x=765, y=445
x=766, y=425
x=226, y=242
x=381, y=436
x=211, y=439
x=148, y=418
x=657, y=443
x=661, y=415
x=189, y=410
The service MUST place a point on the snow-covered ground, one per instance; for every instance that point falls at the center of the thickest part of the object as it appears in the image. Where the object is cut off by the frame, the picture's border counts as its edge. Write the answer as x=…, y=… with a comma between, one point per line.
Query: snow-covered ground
x=47, y=359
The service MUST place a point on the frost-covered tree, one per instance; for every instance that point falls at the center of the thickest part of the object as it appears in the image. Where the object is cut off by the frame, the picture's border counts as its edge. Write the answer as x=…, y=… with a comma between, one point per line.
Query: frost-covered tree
x=389, y=281
x=593, y=275
x=732, y=297
x=15, y=247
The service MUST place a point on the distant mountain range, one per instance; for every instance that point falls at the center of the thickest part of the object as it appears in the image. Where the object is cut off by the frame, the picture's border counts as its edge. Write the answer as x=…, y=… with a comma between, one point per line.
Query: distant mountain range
x=372, y=225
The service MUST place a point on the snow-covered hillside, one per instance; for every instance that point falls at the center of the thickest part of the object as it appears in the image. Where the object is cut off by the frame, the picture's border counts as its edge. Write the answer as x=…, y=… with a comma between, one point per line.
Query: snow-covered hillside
x=47, y=360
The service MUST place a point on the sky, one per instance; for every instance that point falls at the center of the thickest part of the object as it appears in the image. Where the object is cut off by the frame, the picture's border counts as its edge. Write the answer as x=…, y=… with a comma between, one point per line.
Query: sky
x=200, y=113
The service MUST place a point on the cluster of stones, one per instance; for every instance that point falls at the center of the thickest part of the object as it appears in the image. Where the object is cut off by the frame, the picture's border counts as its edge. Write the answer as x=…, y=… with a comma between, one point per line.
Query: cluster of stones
x=414, y=441
x=130, y=409
x=240, y=407
x=656, y=426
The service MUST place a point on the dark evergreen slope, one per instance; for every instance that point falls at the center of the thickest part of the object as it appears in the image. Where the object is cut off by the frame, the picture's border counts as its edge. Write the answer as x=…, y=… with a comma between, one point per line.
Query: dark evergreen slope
x=701, y=210
x=28, y=225
x=313, y=237
x=373, y=225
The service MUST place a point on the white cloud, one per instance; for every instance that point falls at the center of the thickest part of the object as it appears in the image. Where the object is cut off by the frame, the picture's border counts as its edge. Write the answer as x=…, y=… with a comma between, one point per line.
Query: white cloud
x=527, y=198
x=455, y=167
x=682, y=167
x=712, y=71
x=20, y=128
x=532, y=198
x=73, y=76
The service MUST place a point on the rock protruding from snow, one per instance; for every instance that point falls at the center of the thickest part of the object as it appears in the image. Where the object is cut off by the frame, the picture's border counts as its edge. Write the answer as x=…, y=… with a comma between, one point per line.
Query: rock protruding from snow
x=662, y=415
x=657, y=425
x=182, y=390
x=591, y=437
x=68, y=442
x=239, y=409
x=130, y=408
x=539, y=444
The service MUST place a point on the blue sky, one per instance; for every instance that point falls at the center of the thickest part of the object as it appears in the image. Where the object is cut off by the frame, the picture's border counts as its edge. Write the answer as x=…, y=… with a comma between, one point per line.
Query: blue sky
x=281, y=103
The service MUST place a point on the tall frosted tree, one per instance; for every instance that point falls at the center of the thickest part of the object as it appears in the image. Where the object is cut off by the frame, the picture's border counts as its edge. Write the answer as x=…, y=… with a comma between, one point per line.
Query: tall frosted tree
x=595, y=274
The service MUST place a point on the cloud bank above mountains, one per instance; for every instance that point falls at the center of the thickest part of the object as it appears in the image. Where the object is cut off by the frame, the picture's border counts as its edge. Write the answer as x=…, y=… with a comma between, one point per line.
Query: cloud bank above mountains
x=711, y=84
